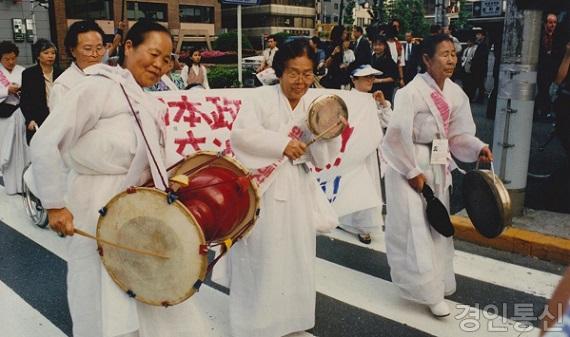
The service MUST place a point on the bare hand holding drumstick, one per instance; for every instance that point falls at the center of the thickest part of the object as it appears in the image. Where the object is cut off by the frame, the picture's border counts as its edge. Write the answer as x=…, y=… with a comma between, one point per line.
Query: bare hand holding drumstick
x=295, y=149
x=61, y=221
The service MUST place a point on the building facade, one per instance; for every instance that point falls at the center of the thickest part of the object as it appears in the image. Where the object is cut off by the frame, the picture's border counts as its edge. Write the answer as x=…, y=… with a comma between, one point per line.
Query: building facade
x=200, y=17
x=296, y=17
x=17, y=21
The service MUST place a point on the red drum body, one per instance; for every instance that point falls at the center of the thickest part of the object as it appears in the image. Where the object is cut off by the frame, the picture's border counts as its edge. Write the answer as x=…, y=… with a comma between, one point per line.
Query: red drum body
x=219, y=194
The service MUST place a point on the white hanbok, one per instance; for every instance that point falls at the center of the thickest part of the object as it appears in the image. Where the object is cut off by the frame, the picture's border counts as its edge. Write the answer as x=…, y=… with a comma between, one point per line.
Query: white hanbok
x=94, y=133
x=13, y=147
x=421, y=260
x=362, y=178
x=272, y=285
x=65, y=82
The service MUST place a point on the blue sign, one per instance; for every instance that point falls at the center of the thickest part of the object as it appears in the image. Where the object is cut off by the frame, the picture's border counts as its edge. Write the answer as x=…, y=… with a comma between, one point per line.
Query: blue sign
x=240, y=2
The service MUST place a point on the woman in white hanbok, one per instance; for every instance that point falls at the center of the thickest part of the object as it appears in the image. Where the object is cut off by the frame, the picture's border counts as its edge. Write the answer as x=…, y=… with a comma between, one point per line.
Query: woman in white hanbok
x=430, y=108
x=12, y=123
x=272, y=284
x=94, y=134
x=364, y=177
x=84, y=43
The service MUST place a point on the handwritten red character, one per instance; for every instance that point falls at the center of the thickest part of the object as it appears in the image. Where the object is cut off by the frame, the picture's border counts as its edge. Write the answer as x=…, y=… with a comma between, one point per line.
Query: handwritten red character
x=190, y=140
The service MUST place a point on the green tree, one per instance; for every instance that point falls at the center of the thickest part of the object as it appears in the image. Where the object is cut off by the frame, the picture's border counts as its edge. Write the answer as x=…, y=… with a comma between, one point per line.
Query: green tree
x=463, y=17
x=348, y=18
x=411, y=16
x=228, y=42
x=379, y=12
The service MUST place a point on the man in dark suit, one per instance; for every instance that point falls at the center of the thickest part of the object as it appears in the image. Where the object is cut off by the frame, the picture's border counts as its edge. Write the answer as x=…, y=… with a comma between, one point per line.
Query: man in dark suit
x=412, y=51
x=479, y=63
x=361, y=47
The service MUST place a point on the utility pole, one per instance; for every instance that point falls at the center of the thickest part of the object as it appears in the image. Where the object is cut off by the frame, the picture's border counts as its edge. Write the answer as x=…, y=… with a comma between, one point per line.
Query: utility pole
x=439, y=15
x=515, y=103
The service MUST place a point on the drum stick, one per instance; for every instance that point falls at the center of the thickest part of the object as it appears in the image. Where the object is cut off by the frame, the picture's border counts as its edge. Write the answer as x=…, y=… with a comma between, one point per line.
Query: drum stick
x=116, y=245
x=322, y=134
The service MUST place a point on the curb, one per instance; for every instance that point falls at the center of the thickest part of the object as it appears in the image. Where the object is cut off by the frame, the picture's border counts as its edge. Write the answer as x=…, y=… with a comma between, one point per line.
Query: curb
x=515, y=240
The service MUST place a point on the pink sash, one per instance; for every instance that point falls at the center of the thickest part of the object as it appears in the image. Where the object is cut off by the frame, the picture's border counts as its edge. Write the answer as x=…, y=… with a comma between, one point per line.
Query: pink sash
x=4, y=80
x=443, y=109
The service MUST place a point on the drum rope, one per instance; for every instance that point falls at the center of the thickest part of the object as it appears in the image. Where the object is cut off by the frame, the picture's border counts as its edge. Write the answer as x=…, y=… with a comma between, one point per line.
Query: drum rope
x=145, y=140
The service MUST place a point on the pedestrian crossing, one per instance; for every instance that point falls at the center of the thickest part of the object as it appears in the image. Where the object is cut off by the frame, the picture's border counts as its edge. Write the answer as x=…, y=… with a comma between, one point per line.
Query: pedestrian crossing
x=355, y=296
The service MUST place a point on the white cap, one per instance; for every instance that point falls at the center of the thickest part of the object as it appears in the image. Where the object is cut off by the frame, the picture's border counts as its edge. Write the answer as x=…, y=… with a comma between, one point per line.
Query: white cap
x=365, y=70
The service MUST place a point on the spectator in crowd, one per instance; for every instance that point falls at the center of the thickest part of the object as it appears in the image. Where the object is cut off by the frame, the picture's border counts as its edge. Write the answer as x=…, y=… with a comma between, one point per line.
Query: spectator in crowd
x=37, y=82
x=412, y=60
x=435, y=29
x=546, y=66
x=334, y=77
x=466, y=66
x=396, y=24
x=348, y=59
x=383, y=61
x=479, y=64
x=319, y=58
x=448, y=30
x=361, y=48
x=171, y=80
x=84, y=45
x=12, y=123
x=396, y=51
x=268, y=54
x=197, y=73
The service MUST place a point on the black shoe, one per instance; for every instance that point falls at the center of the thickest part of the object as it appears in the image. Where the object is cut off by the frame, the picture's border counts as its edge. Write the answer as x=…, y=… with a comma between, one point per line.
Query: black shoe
x=365, y=238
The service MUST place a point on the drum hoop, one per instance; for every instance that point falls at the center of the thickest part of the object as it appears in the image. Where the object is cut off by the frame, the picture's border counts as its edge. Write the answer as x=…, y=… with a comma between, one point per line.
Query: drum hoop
x=203, y=258
x=312, y=112
x=245, y=226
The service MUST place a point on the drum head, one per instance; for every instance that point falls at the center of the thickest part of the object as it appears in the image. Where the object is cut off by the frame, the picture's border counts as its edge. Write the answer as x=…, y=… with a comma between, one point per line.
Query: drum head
x=324, y=112
x=483, y=204
x=142, y=218
x=221, y=196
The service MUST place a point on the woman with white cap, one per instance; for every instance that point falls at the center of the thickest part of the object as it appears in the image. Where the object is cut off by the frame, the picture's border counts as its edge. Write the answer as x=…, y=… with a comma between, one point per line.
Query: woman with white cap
x=372, y=113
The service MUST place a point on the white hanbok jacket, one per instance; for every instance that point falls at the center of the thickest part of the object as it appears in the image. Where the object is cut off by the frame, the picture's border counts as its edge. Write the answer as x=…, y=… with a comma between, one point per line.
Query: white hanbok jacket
x=421, y=260
x=13, y=147
x=94, y=134
x=65, y=82
x=272, y=285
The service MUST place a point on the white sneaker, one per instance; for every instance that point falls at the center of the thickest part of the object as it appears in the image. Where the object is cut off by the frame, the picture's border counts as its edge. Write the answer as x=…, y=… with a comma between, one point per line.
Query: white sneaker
x=440, y=310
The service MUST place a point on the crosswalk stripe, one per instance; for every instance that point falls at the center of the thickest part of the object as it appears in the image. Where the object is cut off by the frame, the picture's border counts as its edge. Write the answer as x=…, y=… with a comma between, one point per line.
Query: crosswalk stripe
x=355, y=288
x=19, y=319
x=534, y=282
x=380, y=297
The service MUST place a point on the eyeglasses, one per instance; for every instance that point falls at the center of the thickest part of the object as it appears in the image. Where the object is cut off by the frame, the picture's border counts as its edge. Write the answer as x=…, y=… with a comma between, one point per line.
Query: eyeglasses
x=90, y=50
x=295, y=76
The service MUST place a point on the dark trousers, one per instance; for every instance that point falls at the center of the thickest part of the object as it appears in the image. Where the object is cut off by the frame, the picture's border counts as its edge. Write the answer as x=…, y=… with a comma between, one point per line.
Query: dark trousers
x=562, y=109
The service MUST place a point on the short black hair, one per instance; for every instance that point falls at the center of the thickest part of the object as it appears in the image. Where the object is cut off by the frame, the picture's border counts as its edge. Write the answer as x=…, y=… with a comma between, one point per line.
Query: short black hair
x=39, y=46
x=272, y=37
x=7, y=47
x=435, y=29
x=358, y=29
x=430, y=44
x=79, y=27
x=138, y=32
x=289, y=51
x=316, y=40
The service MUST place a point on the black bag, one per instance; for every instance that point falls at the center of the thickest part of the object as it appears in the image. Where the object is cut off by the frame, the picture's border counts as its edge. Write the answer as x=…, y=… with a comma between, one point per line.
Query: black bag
x=6, y=110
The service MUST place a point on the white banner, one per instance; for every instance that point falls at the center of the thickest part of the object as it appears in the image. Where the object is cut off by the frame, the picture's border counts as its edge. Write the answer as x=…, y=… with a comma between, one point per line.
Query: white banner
x=202, y=120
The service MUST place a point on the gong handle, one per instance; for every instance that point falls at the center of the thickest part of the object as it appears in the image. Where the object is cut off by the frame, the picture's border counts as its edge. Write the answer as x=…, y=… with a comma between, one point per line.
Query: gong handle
x=322, y=134
x=116, y=245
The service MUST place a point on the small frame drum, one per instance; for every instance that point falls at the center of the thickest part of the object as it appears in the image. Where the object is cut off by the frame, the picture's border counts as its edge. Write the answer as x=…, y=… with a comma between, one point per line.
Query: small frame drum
x=145, y=218
x=212, y=202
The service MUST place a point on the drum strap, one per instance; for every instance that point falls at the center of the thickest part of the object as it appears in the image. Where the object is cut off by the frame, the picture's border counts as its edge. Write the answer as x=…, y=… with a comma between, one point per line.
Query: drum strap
x=164, y=183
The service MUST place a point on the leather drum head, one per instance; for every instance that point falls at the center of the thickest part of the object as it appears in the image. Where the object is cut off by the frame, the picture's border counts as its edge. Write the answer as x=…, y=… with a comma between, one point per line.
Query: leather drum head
x=142, y=218
x=220, y=195
x=324, y=112
x=483, y=203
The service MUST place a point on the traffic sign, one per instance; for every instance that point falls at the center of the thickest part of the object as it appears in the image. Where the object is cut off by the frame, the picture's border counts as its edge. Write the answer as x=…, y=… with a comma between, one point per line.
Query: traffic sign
x=487, y=8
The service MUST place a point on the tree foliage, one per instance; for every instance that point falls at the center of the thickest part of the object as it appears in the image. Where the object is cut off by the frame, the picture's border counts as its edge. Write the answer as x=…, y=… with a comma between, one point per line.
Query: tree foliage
x=411, y=16
x=348, y=9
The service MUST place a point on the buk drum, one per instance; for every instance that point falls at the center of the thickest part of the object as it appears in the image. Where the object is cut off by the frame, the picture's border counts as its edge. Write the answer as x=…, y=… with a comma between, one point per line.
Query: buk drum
x=32, y=203
x=211, y=202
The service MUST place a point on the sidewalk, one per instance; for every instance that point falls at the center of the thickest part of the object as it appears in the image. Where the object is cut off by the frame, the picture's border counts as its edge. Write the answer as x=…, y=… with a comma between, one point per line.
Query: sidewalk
x=539, y=233
x=542, y=234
